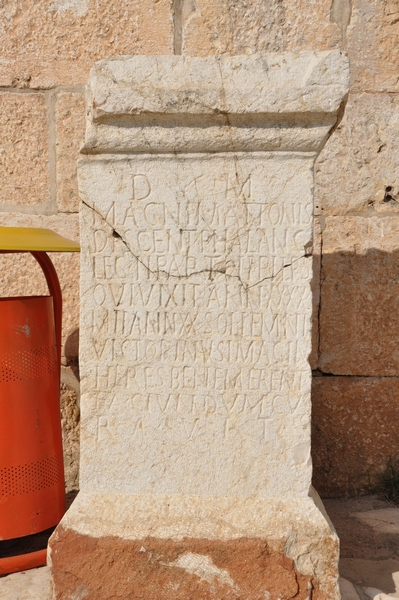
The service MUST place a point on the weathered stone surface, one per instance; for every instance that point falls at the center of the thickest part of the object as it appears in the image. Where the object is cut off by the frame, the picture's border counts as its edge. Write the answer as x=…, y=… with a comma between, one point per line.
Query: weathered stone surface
x=209, y=104
x=373, y=45
x=24, y=150
x=245, y=85
x=359, y=323
x=34, y=584
x=45, y=44
x=70, y=130
x=368, y=29
x=357, y=171
x=21, y=275
x=232, y=27
x=354, y=431
x=196, y=310
x=70, y=421
x=185, y=263
x=244, y=568
x=385, y=520
x=70, y=376
x=99, y=528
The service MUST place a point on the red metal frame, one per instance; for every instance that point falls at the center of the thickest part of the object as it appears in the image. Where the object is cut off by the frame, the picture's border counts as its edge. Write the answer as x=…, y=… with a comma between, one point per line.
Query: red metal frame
x=36, y=559
x=23, y=562
x=55, y=291
x=54, y=287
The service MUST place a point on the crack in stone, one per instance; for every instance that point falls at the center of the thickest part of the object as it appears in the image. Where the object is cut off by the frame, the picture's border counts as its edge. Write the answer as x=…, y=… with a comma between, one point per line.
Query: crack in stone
x=215, y=271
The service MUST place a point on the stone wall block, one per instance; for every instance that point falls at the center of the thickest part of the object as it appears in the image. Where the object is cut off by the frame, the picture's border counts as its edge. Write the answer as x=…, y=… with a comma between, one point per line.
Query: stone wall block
x=20, y=275
x=70, y=130
x=177, y=570
x=357, y=171
x=354, y=431
x=359, y=323
x=368, y=29
x=244, y=27
x=24, y=150
x=196, y=327
x=373, y=45
x=162, y=117
x=45, y=44
x=70, y=418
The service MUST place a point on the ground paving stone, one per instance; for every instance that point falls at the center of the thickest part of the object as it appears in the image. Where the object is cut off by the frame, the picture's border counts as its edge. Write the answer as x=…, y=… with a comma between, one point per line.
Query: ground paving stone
x=27, y=585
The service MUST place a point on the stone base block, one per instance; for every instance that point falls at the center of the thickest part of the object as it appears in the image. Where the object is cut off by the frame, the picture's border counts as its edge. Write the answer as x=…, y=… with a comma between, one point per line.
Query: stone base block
x=169, y=548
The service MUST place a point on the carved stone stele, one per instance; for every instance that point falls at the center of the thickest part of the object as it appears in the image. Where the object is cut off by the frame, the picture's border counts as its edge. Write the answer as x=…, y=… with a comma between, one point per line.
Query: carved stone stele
x=196, y=232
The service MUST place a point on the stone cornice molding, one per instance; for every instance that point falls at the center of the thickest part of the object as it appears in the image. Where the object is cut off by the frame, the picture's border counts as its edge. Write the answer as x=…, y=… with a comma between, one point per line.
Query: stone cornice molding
x=270, y=102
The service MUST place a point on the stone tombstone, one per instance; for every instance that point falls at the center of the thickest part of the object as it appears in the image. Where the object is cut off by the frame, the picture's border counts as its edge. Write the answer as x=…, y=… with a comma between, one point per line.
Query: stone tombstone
x=196, y=231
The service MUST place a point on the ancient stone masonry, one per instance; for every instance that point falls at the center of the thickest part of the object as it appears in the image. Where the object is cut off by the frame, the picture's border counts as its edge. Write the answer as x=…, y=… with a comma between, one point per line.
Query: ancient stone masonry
x=46, y=52
x=47, y=49
x=196, y=232
x=178, y=340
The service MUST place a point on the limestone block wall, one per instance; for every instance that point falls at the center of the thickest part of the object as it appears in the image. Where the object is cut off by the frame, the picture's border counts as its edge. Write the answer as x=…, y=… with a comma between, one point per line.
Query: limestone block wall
x=47, y=48
x=46, y=51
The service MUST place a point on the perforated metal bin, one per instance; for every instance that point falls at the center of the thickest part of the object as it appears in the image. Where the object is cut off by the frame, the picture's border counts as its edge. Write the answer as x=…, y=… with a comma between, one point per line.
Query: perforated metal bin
x=32, y=489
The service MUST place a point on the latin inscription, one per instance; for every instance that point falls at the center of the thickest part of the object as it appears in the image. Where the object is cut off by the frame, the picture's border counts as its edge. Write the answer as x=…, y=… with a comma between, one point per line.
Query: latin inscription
x=199, y=305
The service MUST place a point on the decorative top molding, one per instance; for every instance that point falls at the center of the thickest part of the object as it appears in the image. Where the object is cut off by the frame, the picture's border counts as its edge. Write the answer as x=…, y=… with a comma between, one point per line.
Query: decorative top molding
x=188, y=104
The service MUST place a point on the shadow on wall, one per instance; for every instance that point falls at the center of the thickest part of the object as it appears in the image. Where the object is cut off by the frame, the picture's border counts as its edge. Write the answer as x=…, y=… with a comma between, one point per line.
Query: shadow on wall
x=70, y=414
x=71, y=350
x=355, y=393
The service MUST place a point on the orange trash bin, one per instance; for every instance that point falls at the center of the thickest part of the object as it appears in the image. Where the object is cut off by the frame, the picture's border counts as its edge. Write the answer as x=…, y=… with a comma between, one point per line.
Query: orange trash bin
x=32, y=490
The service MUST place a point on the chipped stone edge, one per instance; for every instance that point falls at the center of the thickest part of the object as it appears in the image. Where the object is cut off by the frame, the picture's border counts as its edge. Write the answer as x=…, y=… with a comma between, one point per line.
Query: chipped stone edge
x=271, y=83
x=308, y=538
x=215, y=104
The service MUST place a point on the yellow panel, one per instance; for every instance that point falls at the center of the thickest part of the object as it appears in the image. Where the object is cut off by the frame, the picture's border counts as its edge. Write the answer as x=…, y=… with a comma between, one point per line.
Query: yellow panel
x=19, y=239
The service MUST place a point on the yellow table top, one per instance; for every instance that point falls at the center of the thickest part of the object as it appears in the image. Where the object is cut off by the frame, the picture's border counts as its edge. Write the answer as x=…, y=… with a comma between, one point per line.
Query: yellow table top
x=20, y=239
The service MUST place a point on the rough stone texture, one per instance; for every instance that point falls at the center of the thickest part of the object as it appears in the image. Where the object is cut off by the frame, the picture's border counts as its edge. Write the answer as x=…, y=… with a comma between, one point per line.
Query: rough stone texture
x=359, y=323
x=34, y=584
x=209, y=104
x=226, y=27
x=243, y=569
x=45, y=44
x=70, y=129
x=70, y=421
x=55, y=43
x=196, y=311
x=24, y=150
x=385, y=520
x=238, y=85
x=373, y=48
x=21, y=275
x=100, y=525
x=354, y=431
x=357, y=171
x=70, y=376
x=199, y=234
x=368, y=29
